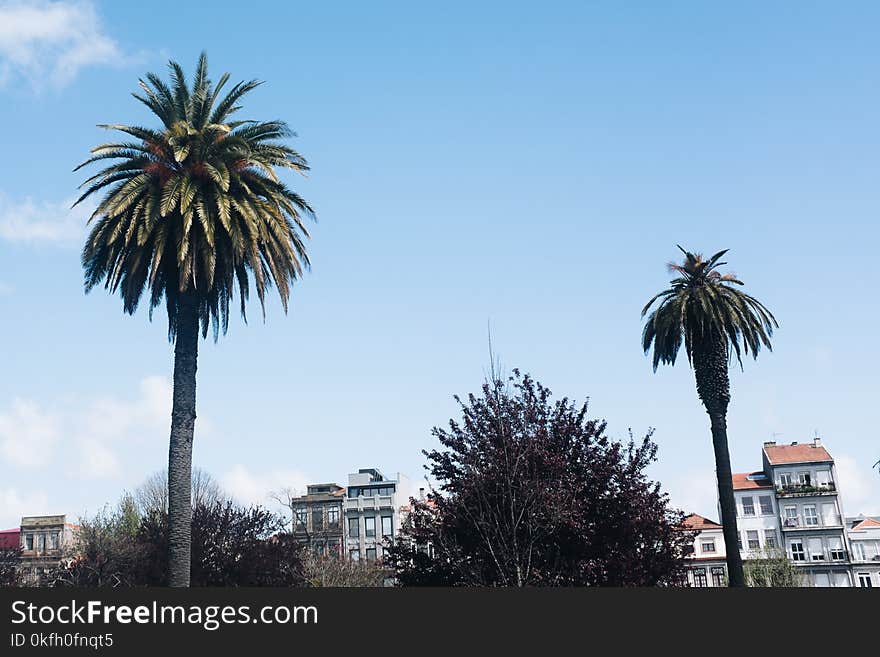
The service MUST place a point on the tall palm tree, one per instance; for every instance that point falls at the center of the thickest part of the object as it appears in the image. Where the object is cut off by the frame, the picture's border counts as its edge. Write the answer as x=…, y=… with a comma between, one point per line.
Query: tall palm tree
x=715, y=320
x=190, y=212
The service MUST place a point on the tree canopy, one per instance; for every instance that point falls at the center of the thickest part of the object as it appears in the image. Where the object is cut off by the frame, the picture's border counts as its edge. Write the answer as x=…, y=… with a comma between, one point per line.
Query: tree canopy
x=533, y=492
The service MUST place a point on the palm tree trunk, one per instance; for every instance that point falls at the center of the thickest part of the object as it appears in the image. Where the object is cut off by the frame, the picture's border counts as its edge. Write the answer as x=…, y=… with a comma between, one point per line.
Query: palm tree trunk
x=727, y=502
x=713, y=387
x=183, y=419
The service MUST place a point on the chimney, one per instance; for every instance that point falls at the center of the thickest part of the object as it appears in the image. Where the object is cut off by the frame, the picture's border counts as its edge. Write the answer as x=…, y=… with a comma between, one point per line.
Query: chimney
x=793, y=443
x=817, y=442
x=770, y=443
x=421, y=493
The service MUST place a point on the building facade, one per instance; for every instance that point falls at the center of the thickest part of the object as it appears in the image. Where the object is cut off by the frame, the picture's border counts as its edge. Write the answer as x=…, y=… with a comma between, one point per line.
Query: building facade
x=43, y=541
x=793, y=503
x=372, y=512
x=864, y=539
x=317, y=518
x=706, y=565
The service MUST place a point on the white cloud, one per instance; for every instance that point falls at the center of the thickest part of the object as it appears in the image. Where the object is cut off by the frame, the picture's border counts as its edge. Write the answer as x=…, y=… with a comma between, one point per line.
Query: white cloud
x=47, y=43
x=859, y=486
x=13, y=506
x=27, y=433
x=32, y=221
x=31, y=436
x=255, y=488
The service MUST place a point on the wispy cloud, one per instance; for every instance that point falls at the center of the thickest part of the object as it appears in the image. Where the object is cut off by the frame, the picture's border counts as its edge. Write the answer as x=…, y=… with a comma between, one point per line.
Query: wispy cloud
x=257, y=487
x=86, y=434
x=14, y=505
x=29, y=221
x=47, y=43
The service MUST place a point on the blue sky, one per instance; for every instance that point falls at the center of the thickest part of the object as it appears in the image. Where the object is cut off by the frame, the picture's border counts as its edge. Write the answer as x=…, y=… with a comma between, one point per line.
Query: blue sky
x=528, y=165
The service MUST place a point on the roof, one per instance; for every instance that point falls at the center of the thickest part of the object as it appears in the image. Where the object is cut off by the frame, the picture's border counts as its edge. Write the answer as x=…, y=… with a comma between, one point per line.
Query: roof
x=695, y=521
x=745, y=480
x=796, y=453
x=9, y=538
x=867, y=523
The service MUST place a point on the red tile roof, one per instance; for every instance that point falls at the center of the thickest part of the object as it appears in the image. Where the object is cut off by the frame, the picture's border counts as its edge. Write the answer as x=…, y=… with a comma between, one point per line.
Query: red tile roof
x=695, y=521
x=741, y=481
x=866, y=524
x=797, y=453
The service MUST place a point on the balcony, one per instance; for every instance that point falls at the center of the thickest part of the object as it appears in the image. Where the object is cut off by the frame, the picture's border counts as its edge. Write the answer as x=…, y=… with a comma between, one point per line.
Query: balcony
x=819, y=523
x=803, y=490
x=369, y=503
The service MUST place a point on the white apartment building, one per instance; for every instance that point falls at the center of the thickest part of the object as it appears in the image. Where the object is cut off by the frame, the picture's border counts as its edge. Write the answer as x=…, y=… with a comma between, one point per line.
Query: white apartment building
x=794, y=503
x=864, y=540
x=706, y=563
x=757, y=513
x=811, y=516
x=372, y=512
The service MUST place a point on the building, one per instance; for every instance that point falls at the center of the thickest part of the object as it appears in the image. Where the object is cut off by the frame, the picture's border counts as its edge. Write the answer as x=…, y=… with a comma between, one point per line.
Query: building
x=757, y=514
x=794, y=503
x=43, y=541
x=706, y=563
x=372, y=512
x=317, y=518
x=9, y=539
x=864, y=540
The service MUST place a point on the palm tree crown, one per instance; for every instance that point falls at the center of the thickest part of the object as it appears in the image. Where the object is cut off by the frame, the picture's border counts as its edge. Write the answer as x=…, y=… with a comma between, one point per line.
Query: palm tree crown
x=196, y=207
x=700, y=307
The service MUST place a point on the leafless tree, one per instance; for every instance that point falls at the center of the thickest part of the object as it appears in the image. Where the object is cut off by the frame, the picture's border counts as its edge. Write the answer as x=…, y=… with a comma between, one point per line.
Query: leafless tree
x=152, y=495
x=331, y=570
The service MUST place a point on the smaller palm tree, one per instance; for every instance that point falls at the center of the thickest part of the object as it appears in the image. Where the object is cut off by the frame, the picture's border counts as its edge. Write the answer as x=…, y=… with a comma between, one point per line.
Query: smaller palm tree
x=703, y=309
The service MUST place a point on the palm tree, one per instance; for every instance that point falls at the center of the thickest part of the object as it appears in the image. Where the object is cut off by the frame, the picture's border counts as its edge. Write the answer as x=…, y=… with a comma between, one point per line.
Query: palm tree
x=714, y=319
x=190, y=212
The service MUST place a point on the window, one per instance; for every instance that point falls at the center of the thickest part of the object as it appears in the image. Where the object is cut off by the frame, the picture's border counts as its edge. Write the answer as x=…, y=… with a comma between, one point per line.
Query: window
x=370, y=527
x=29, y=542
x=865, y=580
x=371, y=554
x=333, y=517
x=791, y=516
x=53, y=541
x=354, y=527
x=810, y=517
x=835, y=548
x=804, y=479
x=766, y=505
x=797, y=551
x=858, y=550
x=317, y=520
x=355, y=554
x=387, y=526
x=301, y=518
x=770, y=538
x=785, y=479
x=717, y=576
x=829, y=514
x=41, y=542
x=700, y=578
x=708, y=545
x=748, y=506
x=752, y=537
x=816, y=551
x=739, y=541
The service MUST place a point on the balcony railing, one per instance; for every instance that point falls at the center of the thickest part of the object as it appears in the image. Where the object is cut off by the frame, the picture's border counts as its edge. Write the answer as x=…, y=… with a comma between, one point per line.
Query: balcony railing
x=795, y=490
x=373, y=502
x=801, y=523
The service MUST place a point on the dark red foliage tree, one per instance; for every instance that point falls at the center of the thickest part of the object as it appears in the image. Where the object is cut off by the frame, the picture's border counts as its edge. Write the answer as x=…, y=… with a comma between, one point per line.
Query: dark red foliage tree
x=533, y=493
